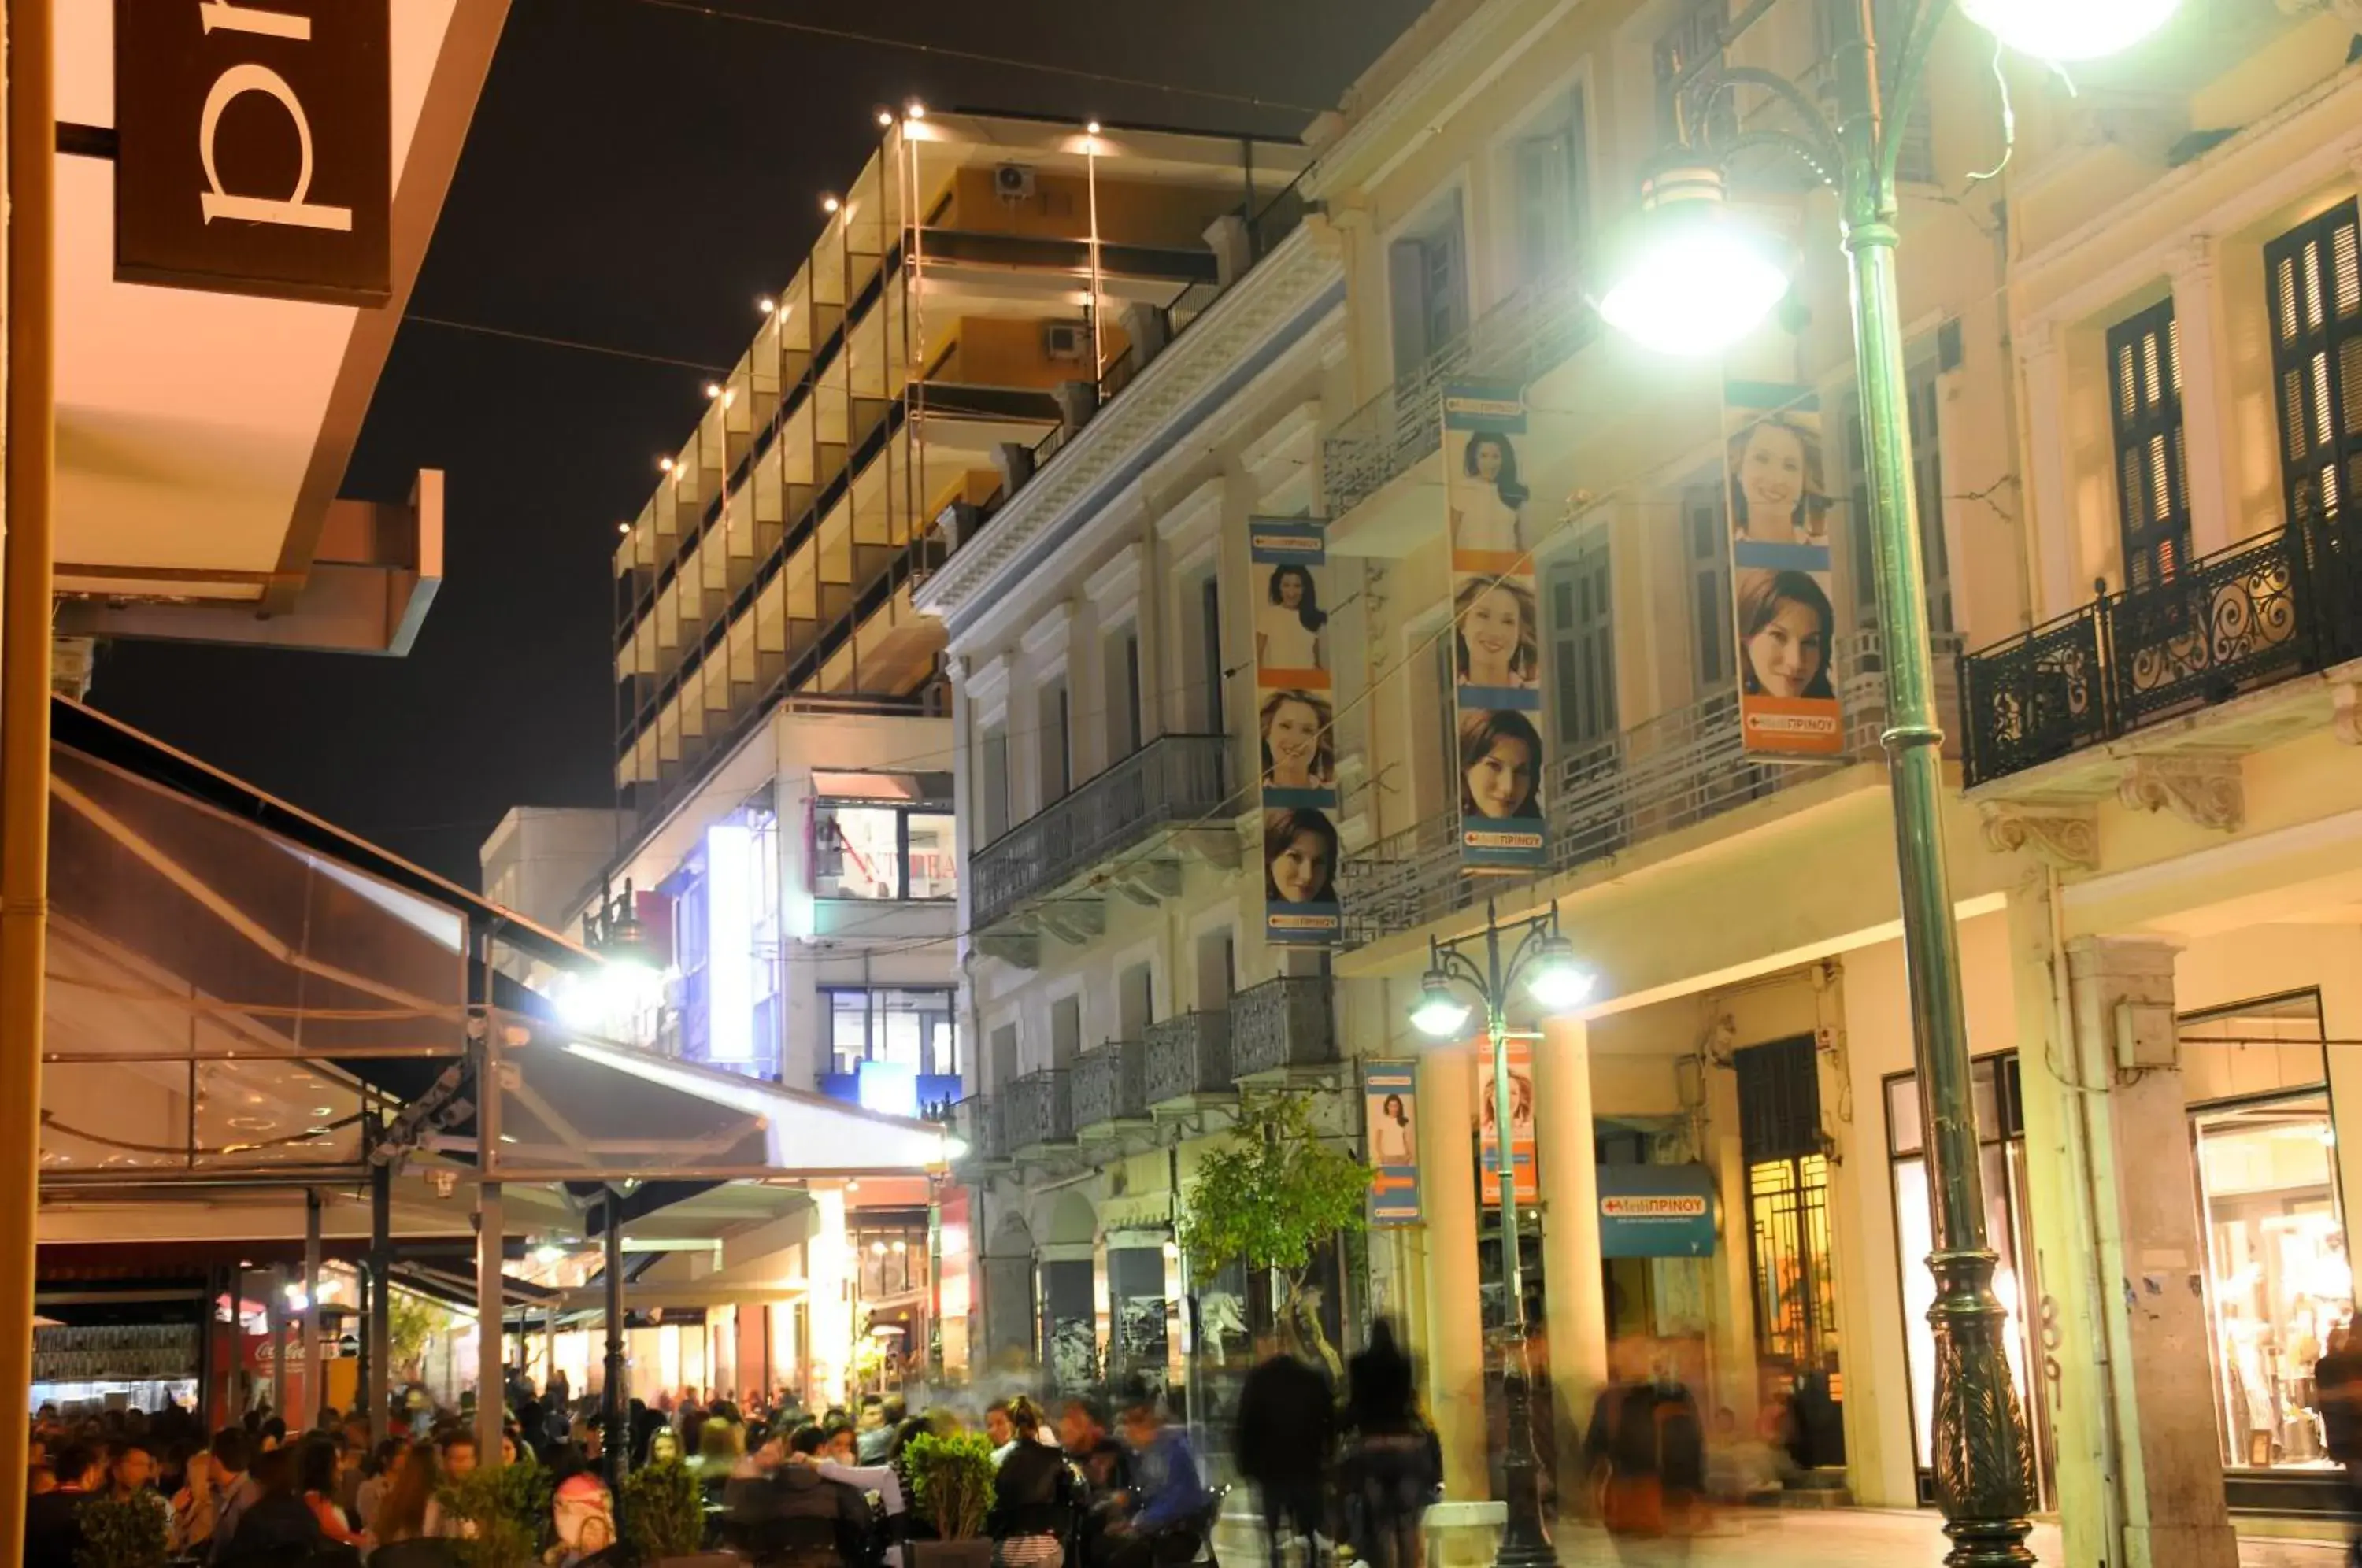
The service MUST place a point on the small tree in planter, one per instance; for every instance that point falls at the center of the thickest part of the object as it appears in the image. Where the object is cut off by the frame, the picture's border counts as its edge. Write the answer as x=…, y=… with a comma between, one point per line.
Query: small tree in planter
x=124, y=1532
x=505, y=1509
x=664, y=1512
x=951, y=1487
x=1266, y=1197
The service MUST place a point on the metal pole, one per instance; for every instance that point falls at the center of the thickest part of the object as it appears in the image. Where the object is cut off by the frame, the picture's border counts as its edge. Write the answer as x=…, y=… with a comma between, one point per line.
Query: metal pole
x=1523, y=1544
x=1984, y=1466
x=491, y=1362
x=381, y=1303
x=619, y=1438
x=315, y=1387
x=278, y=1321
x=31, y=463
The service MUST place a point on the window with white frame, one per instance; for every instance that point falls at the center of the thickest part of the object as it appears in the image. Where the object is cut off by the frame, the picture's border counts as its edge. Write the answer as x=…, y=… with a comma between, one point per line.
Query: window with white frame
x=1922, y=397
x=1688, y=59
x=1550, y=191
x=1427, y=287
x=1705, y=542
x=883, y=835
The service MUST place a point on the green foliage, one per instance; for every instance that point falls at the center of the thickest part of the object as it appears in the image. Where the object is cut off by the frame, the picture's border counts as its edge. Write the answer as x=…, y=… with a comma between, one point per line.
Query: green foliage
x=410, y=1323
x=1271, y=1193
x=124, y=1532
x=506, y=1509
x=664, y=1511
x=950, y=1480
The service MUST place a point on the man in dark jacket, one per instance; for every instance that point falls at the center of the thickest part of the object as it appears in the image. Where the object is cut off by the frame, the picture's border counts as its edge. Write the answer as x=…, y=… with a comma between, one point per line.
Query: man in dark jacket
x=1286, y=1433
x=54, y=1519
x=789, y=1516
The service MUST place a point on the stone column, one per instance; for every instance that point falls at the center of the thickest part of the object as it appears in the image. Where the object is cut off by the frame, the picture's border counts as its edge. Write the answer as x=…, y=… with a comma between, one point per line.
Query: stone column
x=1574, y=1310
x=1455, y=1323
x=2121, y=1327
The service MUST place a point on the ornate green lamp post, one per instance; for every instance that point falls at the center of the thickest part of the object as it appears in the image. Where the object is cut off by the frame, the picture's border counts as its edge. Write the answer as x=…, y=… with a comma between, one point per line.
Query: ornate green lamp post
x=1696, y=280
x=1544, y=960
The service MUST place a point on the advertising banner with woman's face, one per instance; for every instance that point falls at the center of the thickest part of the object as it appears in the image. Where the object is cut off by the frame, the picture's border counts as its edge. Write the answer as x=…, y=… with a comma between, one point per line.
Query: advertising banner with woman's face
x=1390, y=1108
x=1779, y=581
x=1296, y=722
x=1495, y=630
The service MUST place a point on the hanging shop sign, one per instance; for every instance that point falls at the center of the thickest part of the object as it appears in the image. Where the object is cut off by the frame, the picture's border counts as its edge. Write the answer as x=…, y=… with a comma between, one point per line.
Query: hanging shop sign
x=1495, y=630
x=1390, y=1099
x=254, y=148
x=1295, y=715
x=1655, y=1211
x=1521, y=1122
x=1785, y=614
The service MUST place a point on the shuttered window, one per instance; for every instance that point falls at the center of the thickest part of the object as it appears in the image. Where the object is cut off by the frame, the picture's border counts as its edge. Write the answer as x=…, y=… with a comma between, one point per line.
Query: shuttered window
x=2314, y=273
x=2152, y=480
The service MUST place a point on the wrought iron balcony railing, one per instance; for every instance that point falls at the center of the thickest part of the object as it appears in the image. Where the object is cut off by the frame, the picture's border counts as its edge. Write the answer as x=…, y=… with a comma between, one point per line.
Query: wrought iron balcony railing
x=2268, y=608
x=1173, y=778
x=1186, y=1056
x=1524, y=337
x=976, y=1122
x=1037, y=1108
x=1282, y=1023
x=1676, y=770
x=1109, y=1084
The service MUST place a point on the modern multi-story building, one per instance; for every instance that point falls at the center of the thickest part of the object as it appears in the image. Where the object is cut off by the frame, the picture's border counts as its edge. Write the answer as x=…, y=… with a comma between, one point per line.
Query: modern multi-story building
x=2128, y=361
x=785, y=755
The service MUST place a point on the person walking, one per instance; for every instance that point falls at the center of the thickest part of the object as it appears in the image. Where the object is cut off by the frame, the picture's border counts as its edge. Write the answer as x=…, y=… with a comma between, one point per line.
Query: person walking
x=1286, y=1432
x=2337, y=1394
x=1393, y=1460
x=1645, y=1450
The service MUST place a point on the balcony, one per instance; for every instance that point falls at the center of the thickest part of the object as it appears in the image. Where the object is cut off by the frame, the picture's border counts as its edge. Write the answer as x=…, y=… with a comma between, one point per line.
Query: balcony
x=1110, y=1085
x=1186, y=1058
x=1675, y=771
x=1027, y=878
x=1282, y=1025
x=977, y=1121
x=1521, y=340
x=2264, y=612
x=1037, y=1110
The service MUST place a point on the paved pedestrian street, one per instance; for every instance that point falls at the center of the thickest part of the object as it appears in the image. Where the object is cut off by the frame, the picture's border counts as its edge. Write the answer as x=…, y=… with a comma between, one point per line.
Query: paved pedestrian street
x=1845, y=1539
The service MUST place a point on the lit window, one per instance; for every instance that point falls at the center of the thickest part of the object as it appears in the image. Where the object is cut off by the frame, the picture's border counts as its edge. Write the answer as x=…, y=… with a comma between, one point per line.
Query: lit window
x=883, y=835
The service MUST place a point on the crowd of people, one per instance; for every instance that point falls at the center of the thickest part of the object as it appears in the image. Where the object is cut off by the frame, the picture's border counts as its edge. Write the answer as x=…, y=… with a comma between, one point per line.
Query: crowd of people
x=779, y=1485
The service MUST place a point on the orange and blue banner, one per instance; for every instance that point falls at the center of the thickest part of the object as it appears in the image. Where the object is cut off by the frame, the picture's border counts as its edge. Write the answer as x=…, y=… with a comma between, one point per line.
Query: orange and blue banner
x=1296, y=722
x=1390, y=1096
x=1785, y=615
x=1495, y=630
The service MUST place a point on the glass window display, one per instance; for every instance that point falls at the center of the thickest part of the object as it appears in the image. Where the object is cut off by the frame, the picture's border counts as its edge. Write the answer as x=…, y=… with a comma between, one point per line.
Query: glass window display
x=2279, y=1281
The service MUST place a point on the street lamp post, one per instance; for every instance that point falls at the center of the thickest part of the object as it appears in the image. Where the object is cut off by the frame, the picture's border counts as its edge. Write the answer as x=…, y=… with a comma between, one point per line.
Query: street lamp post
x=1545, y=961
x=1984, y=1464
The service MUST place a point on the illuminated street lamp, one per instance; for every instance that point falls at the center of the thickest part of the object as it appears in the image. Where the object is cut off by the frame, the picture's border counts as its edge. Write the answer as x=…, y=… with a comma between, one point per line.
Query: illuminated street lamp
x=1683, y=288
x=1544, y=960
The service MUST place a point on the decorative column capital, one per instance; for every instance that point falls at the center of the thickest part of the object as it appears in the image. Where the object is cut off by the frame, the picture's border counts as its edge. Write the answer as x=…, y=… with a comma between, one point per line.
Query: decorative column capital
x=2345, y=710
x=2205, y=791
x=2190, y=260
x=2036, y=338
x=2066, y=839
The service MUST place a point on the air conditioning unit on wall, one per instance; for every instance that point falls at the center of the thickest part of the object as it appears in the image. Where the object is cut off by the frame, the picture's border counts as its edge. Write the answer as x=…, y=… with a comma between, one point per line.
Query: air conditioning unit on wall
x=1066, y=340
x=1013, y=181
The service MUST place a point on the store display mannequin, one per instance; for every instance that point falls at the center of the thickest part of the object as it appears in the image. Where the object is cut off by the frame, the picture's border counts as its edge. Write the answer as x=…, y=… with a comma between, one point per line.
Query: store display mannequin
x=2251, y=1397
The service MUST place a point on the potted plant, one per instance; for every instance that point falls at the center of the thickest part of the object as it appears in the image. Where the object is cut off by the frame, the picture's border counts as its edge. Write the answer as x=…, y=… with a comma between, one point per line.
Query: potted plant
x=1266, y=1197
x=124, y=1532
x=951, y=1490
x=664, y=1514
x=502, y=1509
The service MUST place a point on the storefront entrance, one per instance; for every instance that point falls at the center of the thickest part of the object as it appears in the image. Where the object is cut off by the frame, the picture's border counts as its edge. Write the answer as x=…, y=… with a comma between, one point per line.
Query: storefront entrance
x=2279, y=1281
x=1797, y=1341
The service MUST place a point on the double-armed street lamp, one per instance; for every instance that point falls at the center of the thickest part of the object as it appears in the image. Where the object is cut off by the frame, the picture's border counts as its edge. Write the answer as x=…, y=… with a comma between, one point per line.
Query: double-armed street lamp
x=1694, y=279
x=1543, y=959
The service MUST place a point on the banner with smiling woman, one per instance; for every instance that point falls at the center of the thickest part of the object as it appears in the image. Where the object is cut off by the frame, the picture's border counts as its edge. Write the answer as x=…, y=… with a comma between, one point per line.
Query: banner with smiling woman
x=1495, y=630
x=1295, y=717
x=1784, y=614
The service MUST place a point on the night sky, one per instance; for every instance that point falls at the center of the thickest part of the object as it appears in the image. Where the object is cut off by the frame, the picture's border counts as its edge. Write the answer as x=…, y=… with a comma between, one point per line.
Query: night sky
x=635, y=176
